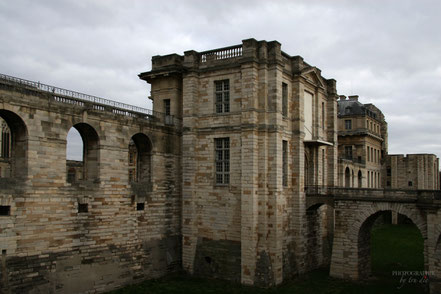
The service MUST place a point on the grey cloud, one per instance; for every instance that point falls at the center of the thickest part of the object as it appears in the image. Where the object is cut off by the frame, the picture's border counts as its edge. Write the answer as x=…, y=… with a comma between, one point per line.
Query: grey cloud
x=385, y=51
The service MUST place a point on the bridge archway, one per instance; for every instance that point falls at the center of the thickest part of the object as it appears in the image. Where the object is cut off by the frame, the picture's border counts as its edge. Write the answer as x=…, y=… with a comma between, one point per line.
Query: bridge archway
x=319, y=235
x=364, y=243
x=14, y=145
x=353, y=224
x=88, y=167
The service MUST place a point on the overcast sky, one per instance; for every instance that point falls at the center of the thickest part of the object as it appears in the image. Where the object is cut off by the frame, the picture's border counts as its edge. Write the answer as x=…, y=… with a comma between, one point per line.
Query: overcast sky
x=387, y=52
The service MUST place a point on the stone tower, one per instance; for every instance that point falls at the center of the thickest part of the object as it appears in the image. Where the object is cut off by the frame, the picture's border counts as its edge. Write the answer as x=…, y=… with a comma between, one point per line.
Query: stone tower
x=259, y=126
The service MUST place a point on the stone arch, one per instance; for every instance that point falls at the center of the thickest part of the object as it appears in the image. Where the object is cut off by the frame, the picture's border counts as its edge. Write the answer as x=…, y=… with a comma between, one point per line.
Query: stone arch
x=363, y=225
x=16, y=159
x=140, y=158
x=89, y=168
x=347, y=177
x=319, y=235
x=435, y=260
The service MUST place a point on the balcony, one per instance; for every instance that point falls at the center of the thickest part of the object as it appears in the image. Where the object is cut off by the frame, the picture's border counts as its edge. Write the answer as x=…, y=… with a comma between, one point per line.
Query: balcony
x=358, y=160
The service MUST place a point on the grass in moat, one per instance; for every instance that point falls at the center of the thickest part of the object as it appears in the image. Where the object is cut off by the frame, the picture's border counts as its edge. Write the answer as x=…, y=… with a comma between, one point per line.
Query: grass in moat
x=393, y=248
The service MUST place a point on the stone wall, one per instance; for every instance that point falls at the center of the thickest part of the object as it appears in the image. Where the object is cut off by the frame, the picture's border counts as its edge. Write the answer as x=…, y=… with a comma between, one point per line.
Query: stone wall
x=413, y=171
x=63, y=237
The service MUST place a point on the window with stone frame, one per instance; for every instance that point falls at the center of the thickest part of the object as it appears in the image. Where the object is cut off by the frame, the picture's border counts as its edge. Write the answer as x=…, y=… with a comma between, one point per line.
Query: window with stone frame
x=222, y=96
x=284, y=100
x=167, y=106
x=5, y=210
x=348, y=124
x=222, y=160
x=348, y=152
x=284, y=163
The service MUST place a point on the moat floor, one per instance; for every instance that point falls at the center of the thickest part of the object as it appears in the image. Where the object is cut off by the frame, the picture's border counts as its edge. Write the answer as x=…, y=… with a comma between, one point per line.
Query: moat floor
x=393, y=248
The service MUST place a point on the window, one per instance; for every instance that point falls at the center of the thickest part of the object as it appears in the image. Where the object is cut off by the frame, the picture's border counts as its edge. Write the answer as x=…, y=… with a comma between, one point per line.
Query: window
x=222, y=93
x=82, y=207
x=284, y=99
x=348, y=152
x=285, y=163
x=140, y=159
x=140, y=206
x=222, y=160
x=389, y=171
x=167, y=106
x=5, y=210
x=388, y=183
x=368, y=154
x=348, y=124
x=323, y=115
x=71, y=175
x=410, y=184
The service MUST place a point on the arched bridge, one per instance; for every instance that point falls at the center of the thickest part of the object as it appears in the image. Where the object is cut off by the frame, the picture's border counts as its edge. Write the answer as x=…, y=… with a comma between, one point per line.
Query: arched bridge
x=355, y=211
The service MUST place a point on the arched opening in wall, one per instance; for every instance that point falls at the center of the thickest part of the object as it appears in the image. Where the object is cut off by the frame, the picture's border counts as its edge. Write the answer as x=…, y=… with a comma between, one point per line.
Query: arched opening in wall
x=82, y=153
x=353, y=179
x=319, y=235
x=384, y=248
x=347, y=177
x=360, y=179
x=14, y=145
x=140, y=159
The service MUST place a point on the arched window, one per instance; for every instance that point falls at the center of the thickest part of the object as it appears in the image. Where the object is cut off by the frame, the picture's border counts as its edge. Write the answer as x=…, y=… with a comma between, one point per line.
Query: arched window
x=13, y=147
x=353, y=179
x=82, y=154
x=140, y=158
x=347, y=177
x=360, y=179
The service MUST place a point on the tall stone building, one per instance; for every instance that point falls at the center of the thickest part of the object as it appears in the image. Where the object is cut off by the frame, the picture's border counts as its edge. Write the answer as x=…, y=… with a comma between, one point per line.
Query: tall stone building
x=259, y=126
x=363, y=159
x=362, y=143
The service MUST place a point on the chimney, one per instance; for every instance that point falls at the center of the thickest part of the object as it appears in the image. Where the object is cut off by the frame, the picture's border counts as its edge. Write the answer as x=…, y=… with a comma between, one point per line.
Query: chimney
x=353, y=97
x=342, y=97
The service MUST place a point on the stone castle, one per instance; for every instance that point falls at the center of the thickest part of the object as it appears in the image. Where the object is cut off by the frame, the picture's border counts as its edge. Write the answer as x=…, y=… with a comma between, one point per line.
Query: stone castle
x=250, y=168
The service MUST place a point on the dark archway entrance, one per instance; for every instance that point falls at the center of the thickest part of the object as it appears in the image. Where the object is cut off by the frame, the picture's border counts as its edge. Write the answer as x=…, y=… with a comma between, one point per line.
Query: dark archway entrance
x=385, y=249
x=319, y=234
x=347, y=177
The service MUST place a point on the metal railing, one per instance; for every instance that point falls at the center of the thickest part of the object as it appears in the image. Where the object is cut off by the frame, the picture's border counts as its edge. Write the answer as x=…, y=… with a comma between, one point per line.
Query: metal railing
x=97, y=103
x=221, y=53
x=353, y=159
